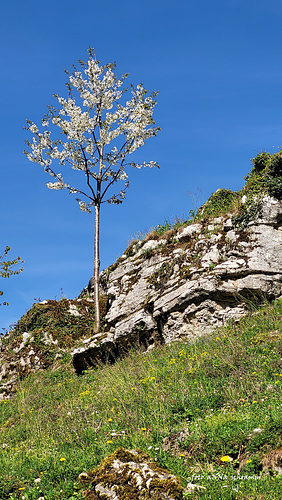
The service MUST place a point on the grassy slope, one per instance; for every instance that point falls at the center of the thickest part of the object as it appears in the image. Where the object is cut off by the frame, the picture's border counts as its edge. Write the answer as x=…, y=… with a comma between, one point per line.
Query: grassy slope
x=218, y=391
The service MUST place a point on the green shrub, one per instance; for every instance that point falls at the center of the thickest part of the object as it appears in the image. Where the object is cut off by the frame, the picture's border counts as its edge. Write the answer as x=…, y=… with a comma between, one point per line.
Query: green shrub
x=275, y=165
x=220, y=203
x=261, y=161
x=274, y=186
x=160, y=229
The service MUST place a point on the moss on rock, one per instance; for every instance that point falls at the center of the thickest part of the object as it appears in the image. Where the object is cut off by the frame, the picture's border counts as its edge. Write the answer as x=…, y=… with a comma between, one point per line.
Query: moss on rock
x=130, y=475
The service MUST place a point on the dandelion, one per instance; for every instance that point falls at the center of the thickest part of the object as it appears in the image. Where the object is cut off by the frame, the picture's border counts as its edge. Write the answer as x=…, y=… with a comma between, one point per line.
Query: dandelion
x=226, y=458
x=143, y=429
x=248, y=461
x=62, y=459
x=109, y=442
x=110, y=419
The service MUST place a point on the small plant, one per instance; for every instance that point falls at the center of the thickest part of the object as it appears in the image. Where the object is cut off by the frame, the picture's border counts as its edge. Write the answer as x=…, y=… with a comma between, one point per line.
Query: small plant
x=160, y=229
x=148, y=253
x=160, y=277
x=7, y=268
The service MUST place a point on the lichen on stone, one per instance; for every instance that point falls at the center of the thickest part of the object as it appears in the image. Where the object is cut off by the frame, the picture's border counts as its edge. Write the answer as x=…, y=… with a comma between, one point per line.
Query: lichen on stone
x=130, y=475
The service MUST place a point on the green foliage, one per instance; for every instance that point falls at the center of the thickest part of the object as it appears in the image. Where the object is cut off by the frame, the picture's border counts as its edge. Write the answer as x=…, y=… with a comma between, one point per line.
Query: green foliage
x=7, y=267
x=148, y=253
x=221, y=202
x=266, y=174
x=265, y=178
x=249, y=213
x=274, y=186
x=160, y=229
x=261, y=161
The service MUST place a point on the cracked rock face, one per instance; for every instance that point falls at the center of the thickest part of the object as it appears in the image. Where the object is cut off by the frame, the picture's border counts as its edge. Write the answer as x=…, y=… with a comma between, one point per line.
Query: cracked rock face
x=187, y=284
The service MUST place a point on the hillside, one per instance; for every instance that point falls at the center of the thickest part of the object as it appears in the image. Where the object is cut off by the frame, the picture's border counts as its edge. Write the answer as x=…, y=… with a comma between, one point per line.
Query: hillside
x=186, y=369
x=209, y=412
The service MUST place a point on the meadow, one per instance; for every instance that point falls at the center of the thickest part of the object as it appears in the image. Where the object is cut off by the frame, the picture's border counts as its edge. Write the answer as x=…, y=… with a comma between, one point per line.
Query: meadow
x=209, y=412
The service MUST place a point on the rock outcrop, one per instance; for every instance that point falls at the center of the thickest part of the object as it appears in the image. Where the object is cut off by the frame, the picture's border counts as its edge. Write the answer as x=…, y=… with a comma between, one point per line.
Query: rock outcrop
x=178, y=285
x=187, y=282
x=45, y=334
x=131, y=474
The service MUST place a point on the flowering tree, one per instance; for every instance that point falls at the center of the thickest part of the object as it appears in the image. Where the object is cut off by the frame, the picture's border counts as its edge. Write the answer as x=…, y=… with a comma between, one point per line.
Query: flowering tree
x=101, y=128
x=6, y=268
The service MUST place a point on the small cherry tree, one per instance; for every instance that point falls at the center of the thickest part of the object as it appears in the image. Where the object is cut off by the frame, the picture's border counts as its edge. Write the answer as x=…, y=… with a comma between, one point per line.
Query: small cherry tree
x=7, y=268
x=100, y=129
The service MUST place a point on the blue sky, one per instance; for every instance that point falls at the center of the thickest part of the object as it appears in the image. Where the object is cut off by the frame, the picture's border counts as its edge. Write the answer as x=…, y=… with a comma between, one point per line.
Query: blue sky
x=217, y=65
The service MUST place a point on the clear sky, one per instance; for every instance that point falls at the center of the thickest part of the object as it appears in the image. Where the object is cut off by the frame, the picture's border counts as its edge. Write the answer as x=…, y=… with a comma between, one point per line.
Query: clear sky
x=217, y=65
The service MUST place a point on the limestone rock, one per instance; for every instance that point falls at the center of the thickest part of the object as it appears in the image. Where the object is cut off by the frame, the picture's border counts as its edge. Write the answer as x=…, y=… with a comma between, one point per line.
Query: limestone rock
x=185, y=286
x=181, y=286
x=132, y=474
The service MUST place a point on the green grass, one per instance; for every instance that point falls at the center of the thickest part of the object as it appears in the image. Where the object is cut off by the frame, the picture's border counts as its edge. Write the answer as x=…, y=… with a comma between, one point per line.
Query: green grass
x=186, y=405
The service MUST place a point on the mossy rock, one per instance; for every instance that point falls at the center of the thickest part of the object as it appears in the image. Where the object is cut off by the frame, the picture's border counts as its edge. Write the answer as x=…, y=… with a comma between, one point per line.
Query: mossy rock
x=56, y=317
x=130, y=475
x=221, y=202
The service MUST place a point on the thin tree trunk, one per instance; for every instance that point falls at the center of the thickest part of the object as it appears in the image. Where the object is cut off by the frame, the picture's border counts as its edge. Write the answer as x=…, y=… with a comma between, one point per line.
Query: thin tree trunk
x=96, y=268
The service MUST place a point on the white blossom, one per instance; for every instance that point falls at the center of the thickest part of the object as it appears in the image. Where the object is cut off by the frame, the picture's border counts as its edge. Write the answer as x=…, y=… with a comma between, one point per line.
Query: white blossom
x=96, y=136
x=83, y=207
x=55, y=185
x=33, y=128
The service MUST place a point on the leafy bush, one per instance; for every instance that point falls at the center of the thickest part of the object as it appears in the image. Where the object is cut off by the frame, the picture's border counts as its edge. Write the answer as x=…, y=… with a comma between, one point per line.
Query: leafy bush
x=220, y=203
x=266, y=175
x=261, y=161
x=274, y=186
x=160, y=229
x=275, y=165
